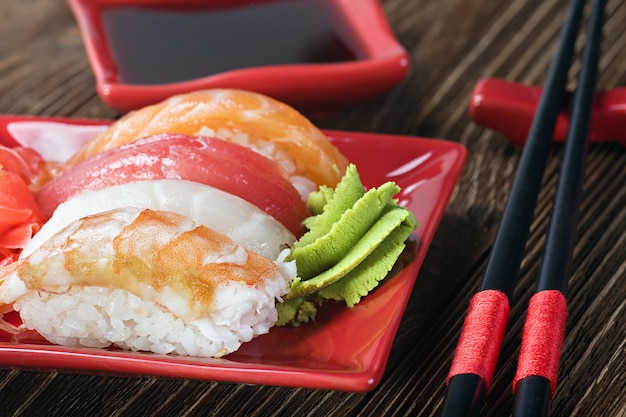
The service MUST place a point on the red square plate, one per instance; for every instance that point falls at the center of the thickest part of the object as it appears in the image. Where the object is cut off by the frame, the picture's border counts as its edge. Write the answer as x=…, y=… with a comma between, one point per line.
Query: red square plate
x=312, y=54
x=344, y=349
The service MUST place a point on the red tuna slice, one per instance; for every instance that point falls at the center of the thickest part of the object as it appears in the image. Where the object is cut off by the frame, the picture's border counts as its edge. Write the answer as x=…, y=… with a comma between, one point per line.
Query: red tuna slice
x=224, y=165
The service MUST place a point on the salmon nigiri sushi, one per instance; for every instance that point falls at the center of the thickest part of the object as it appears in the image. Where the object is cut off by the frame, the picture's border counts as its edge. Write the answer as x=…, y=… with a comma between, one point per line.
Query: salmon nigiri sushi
x=270, y=127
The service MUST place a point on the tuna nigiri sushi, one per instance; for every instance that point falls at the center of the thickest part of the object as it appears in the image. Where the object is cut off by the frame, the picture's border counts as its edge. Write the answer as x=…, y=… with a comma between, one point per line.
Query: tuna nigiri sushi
x=228, y=166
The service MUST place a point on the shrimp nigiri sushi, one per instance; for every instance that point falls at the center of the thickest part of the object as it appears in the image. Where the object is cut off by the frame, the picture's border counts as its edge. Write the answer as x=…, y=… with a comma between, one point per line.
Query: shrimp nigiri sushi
x=145, y=280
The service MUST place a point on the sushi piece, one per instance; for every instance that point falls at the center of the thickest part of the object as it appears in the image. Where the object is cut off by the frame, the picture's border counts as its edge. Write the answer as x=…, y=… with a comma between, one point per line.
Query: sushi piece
x=223, y=212
x=268, y=126
x=224, y=165
x=145, y=280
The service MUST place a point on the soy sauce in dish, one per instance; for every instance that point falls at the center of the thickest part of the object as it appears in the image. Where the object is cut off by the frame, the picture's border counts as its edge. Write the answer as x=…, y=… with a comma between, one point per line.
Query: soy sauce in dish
x=151, y=44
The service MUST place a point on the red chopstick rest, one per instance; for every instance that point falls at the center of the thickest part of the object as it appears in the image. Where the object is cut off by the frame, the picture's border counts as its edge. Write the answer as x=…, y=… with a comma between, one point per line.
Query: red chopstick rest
x=509, y=108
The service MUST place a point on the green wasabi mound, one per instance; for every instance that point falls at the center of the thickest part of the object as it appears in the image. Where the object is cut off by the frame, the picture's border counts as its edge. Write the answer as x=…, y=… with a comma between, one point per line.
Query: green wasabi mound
x=354, y=237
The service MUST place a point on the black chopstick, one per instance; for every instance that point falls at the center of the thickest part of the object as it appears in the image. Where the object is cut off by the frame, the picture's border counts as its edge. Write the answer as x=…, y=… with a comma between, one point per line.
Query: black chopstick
x=479, y=344
x=535, y=380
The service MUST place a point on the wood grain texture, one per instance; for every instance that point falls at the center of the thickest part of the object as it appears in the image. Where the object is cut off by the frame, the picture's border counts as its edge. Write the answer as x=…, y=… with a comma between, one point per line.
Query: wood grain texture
x=452, y=44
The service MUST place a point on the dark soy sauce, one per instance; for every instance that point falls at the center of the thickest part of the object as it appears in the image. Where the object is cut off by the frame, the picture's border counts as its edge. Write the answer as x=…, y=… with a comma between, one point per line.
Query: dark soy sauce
x=153, y=45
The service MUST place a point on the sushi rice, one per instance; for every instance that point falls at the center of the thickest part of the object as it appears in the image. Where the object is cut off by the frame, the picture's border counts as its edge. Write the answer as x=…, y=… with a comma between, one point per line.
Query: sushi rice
x=100, y=317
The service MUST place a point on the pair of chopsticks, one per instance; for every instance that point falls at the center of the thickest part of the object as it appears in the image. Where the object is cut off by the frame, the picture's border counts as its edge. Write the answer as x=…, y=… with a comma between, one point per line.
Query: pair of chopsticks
x=478, y=348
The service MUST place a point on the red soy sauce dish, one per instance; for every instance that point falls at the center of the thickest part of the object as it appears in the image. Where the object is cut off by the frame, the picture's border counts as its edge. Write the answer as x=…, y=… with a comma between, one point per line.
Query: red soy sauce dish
x=315, y=55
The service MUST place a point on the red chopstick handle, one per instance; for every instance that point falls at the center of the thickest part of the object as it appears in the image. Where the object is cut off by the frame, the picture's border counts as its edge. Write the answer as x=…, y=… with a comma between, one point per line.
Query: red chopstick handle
x=543, y=336
x=483, y=330
x=509, y=108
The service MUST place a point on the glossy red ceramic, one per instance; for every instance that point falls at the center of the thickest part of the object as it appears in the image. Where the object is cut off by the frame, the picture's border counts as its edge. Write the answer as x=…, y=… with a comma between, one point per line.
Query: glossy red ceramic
x=509, y=108
x=308, y=87
x=344, y=349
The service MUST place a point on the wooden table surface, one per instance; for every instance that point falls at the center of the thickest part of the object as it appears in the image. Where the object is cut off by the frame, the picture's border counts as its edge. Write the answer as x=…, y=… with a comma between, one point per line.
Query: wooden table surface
x=452, y=43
